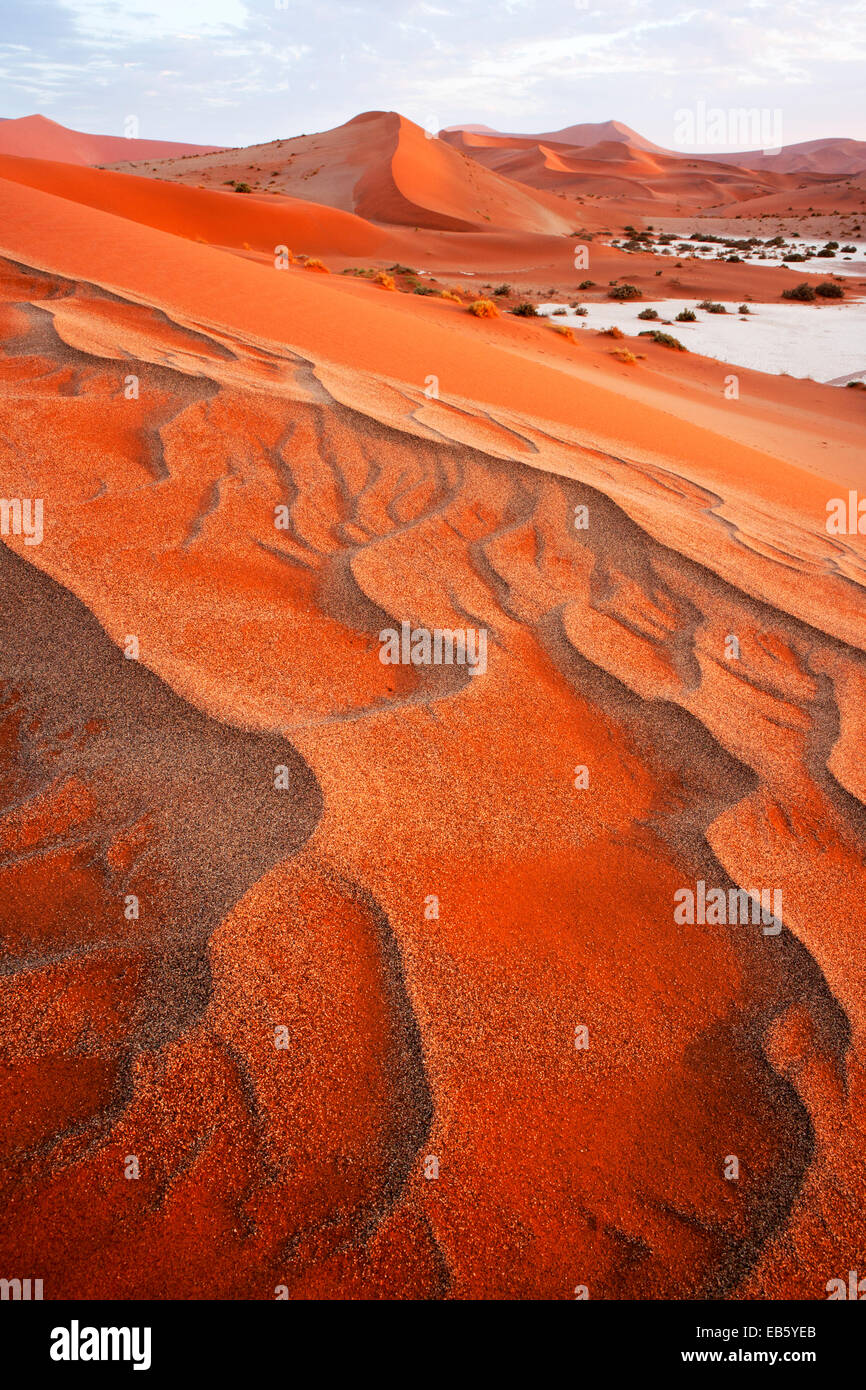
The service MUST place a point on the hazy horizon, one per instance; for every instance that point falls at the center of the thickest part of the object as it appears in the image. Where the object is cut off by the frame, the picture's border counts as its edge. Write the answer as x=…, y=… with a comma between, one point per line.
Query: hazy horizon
x=248, y=71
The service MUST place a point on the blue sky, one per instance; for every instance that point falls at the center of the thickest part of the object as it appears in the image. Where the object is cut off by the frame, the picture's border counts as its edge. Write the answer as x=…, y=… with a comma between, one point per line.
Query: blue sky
x=239, y=71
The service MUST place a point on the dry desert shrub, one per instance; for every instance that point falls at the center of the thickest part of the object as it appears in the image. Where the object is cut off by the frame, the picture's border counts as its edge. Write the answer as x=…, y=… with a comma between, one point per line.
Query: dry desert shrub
x=484, y=309
x=612, y=332
x=665, y=339
x=449, y=294
x=385, y=280
x=803, y=291
x=315, y=264
x=564, y=330
x=623, y=355
x=624, y=292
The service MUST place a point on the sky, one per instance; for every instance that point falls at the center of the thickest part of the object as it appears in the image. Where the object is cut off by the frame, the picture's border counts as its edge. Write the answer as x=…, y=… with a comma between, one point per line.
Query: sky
x=238, y=72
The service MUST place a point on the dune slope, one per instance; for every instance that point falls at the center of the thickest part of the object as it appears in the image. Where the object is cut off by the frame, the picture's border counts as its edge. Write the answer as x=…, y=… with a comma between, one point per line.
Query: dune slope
x=377, y=905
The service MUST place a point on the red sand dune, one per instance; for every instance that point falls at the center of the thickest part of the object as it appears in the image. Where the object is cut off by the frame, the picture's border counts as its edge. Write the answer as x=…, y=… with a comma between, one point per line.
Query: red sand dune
x=430, y=1129
x=385, y=169
x=256, y=225
x=36, y=137
x=827, y=156
x=650, y=181
x=830, y=155
x=585, y=133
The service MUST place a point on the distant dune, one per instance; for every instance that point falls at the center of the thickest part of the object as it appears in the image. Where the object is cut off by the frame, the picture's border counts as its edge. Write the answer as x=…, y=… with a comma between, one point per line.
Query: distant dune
x=620, y=172
x=39, y=138
x=644, y=174
x=830, y=156
x=586, y=133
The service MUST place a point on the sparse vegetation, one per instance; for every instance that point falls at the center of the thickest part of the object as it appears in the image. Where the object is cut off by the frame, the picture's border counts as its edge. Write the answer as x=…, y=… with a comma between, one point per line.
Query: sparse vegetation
x=624, y=355
x=665, y=339
x=525, y=310
x=803, y=292
x=449, y=294
x=687, y=316
x=313, y=263
x=385, y=280
x=502, y=289
x=648, y=314
x=744, y=309
x=484, y=309
x=625, y=292
x=829, y=290
x=564, y=331
x=586, y=285
x=613, y=332
x=711, y=307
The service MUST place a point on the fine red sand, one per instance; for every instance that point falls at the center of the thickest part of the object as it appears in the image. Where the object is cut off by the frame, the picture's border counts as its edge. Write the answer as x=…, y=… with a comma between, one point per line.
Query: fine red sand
x=426, y=907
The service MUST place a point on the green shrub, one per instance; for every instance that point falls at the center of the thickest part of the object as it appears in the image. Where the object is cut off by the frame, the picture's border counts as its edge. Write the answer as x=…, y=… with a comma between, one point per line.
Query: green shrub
x=712, y=308
x=803, y=292
x=586, y=285
x=647, y=314
x=502, y=289
x=687, y=316
x=666, y=339
x=625, y=292
x=525, y=310
x=828, y=290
